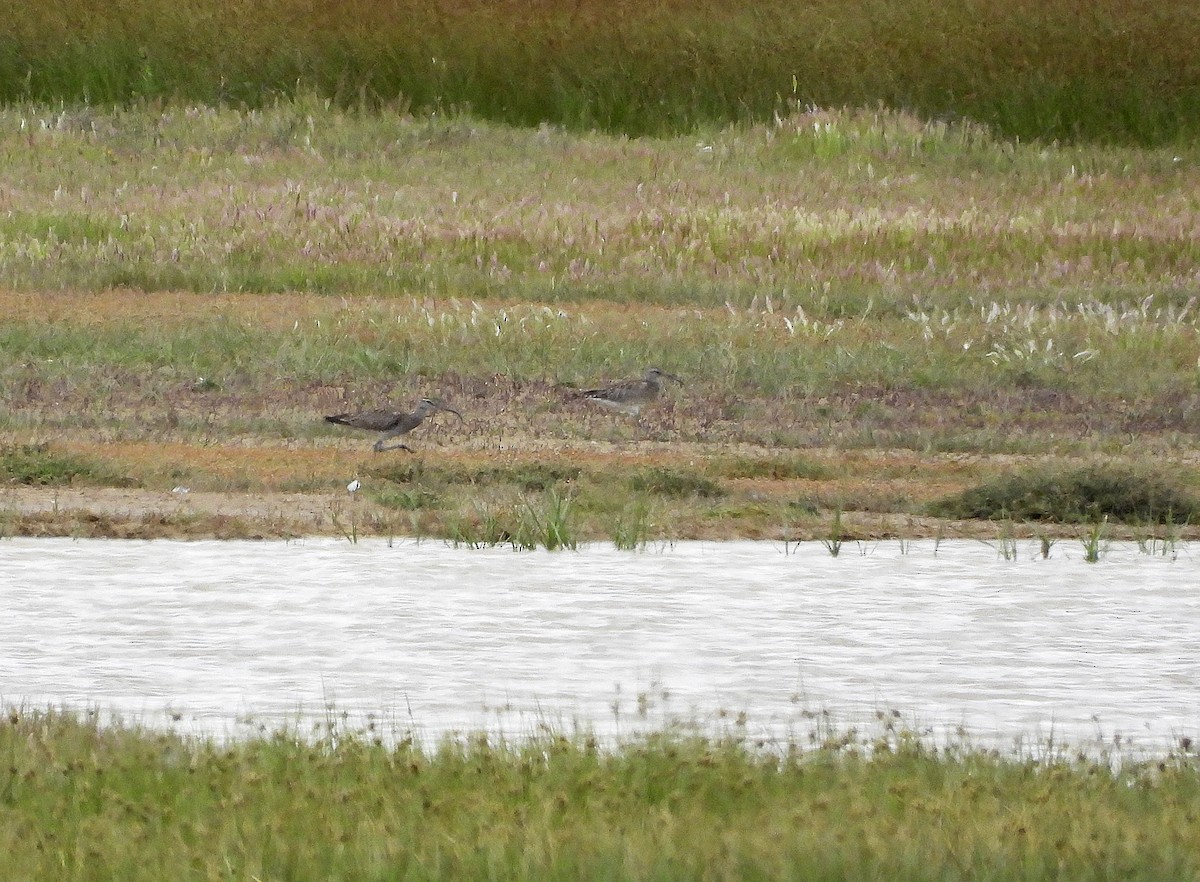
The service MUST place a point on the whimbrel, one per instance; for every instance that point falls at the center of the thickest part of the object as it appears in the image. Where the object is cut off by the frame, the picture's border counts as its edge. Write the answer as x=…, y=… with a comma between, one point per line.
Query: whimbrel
x=391, y=423
x=628, y=396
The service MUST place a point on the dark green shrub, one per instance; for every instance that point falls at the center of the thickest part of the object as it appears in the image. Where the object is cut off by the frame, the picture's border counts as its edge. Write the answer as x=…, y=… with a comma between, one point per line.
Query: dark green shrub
x=1071, y=496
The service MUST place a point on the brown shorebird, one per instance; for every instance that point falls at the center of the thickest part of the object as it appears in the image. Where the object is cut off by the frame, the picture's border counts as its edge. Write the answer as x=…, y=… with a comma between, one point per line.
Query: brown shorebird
x=391, y=423
x=628, y=396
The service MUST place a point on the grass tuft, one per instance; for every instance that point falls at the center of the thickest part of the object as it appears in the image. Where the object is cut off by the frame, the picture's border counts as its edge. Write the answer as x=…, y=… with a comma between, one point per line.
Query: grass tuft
x=399, y=473
x=631, y=530
x=836, y=537
x=530, y=476
x=38, y=464
x=483, y=528
x=777, y=468
x=1094, y=545
x=549, y=524
x=1084, y=495
x=415, y=499
x=675, y=483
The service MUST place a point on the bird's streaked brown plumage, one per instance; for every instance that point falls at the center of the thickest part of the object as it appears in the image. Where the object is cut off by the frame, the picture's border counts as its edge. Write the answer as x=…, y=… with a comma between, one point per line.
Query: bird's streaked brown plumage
x=629, y=396
x=391, y=423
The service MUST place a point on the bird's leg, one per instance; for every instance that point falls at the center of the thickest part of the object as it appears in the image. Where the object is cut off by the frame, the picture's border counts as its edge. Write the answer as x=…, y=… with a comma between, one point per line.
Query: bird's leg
x=380, y=447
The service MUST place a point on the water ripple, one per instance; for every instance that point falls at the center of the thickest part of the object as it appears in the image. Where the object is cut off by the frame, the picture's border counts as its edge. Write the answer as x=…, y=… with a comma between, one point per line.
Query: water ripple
x=947, y=634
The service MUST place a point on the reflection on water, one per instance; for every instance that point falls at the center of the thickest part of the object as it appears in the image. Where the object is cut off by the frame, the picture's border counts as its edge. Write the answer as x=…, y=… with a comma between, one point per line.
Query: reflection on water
x=437, y=639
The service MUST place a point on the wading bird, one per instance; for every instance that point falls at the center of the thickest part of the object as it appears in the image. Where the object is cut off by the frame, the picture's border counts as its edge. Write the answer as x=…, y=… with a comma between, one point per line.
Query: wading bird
x=391, y=423
x=628, y=396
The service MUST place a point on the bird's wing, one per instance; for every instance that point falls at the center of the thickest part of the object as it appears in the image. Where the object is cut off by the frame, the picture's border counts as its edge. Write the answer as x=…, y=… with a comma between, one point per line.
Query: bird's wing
x=371, y=420
x=623, y=391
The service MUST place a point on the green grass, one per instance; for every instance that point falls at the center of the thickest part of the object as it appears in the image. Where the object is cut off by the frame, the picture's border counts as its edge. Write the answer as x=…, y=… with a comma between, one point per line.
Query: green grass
x=531, y=477
x=929, y=224
x=548, y=522
x=525, y=523
x=776, y=468
x=675, y=483
x=406, y=500
x=869, y=385
x=1054, y=70
x=837, y=538
x=930, y=220
x=849, y=281
x=1091, y=494
x=1094, y=544
x=631, y=529
x=38, y=464
x=83, y=801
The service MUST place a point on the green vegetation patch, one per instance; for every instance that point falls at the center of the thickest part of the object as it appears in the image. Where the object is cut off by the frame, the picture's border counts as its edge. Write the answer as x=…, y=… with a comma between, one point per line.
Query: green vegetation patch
x=400, y=473
x=1062, y=69
x=1088, y=494
x=675, y=483
x=780, y=468
x=534, y=476
x=532, y=522
x=81, y=800
x=71, y=227
x=37, y=464
x=406, y=499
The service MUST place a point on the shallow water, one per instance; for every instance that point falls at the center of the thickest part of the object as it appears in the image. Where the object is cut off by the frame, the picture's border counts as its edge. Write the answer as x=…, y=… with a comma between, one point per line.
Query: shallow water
x=432, y=638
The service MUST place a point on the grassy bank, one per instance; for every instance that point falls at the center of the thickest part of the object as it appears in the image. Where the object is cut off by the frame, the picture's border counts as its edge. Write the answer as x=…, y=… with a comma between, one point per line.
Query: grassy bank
x=78, y=801
x=841, y=214
x=871, y=313
x=1058, y=69
x=775, y=429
